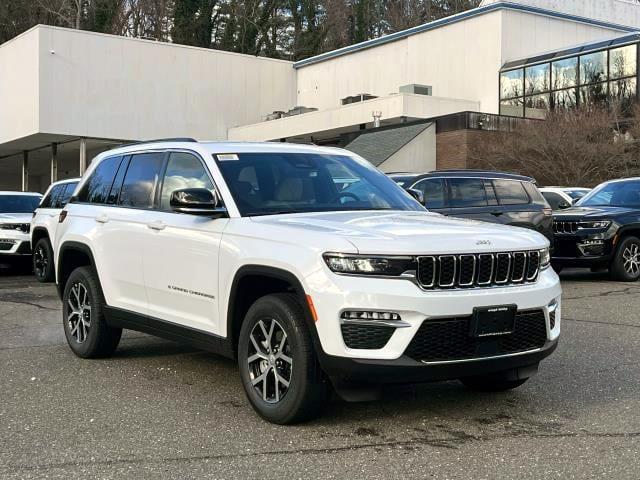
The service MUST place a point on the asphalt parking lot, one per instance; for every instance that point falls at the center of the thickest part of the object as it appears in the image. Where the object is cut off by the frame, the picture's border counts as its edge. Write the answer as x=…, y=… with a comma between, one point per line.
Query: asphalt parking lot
x=162, y=410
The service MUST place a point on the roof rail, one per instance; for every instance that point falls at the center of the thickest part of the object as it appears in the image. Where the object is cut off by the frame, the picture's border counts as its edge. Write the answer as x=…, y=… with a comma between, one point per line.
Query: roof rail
x=159, y=140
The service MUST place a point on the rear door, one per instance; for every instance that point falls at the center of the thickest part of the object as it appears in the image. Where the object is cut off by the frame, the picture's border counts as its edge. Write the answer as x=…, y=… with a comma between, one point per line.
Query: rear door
x=180, y=255
x=473, y=198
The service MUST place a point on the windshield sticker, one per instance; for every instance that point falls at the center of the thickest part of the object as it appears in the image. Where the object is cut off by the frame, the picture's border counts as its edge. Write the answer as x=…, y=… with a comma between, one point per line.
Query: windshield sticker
x=226, y=157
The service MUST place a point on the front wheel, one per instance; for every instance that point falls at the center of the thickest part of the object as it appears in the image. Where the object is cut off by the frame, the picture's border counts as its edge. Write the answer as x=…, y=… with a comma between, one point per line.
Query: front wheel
x=43, y=261
x=626, y=262
x=278, y=365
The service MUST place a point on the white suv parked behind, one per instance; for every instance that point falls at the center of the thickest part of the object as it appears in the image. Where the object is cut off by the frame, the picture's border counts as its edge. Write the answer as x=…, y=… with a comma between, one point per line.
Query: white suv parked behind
x=262, y=252
x=16, y=209
x=44, y=225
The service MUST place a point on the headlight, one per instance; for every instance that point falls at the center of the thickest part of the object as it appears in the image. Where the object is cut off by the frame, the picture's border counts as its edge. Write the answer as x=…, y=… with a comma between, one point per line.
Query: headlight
x=21, y=227
x=596, y=224
x=545, y=259
x=367, y=265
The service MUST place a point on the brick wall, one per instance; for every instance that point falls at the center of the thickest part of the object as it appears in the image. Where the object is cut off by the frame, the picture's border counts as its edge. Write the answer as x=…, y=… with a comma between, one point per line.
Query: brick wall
x=453, y=149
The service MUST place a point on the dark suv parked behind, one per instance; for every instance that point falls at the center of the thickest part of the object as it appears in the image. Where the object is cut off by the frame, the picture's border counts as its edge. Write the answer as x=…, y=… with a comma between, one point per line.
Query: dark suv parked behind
x=602, y=230
x=483, y=195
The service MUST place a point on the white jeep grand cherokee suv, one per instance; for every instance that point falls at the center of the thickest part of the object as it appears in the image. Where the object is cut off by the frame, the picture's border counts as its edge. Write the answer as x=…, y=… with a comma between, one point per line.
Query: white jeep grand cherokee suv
x=16, y=209
x=262, y=252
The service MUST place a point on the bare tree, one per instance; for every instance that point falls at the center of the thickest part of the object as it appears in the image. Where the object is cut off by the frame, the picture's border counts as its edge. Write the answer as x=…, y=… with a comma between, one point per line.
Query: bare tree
x=574, y=147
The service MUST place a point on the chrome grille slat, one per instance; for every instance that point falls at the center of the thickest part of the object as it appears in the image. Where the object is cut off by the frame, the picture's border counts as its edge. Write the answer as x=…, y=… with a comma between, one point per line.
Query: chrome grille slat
x=477, y=270
x=565, y=227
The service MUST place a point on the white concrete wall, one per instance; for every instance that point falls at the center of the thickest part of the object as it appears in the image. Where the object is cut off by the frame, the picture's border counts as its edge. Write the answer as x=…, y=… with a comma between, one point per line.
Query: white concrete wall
x=113, y=87
x=622, y=12
x=419, y=155
x=525, y=34
x=460, y=60
x=19, y=87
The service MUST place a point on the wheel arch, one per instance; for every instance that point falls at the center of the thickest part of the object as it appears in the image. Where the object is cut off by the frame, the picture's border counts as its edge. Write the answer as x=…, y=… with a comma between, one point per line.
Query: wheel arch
x=71, y=256
x=38, y=234
x=252, y=282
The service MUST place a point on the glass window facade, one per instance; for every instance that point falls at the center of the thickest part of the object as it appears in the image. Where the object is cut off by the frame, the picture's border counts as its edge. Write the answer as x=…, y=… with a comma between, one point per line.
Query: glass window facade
x=604, y=76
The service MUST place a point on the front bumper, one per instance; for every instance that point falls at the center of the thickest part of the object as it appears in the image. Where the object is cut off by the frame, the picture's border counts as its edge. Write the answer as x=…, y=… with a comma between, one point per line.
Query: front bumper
x=333, y=294
x=583, y=250
x=14, y=243
x=408, y=370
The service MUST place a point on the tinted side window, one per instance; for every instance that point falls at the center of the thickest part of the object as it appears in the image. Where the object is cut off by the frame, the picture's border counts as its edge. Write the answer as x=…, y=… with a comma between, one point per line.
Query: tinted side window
x=49, y=199
x=183, y=171
x=534, y=194
x=467, y=192
x=510, y=192
x=141, y=180
x=434, y=192
x=97, y=186
x=553, y=199
x=65, y=195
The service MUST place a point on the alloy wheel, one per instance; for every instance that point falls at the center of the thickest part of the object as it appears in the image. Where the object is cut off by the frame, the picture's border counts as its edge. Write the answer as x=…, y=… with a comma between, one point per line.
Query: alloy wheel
x=79, y=316
x=269, y=360
x=41, y=262
x=631, y=259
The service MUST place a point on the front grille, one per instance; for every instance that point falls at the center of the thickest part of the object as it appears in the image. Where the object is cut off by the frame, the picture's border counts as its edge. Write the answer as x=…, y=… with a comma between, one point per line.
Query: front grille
x=449, y=339
x=478, y=270
x=4, y=246
x=366, y=337
x=563, y=226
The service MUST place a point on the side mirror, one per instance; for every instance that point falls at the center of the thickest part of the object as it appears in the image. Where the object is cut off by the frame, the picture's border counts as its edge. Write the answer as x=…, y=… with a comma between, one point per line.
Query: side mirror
x=417, y=194
x=564, y=206
x=197, y=201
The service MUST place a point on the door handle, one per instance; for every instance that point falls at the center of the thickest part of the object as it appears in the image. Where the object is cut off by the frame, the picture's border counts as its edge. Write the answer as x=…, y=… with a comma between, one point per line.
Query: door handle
x=497, y=213
x=157, y=225
x=103, y=218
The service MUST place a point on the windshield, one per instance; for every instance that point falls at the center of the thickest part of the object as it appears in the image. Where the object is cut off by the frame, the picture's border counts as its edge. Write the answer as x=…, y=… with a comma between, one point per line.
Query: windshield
x=19, y=203
x=272, y=183
x=616, y=194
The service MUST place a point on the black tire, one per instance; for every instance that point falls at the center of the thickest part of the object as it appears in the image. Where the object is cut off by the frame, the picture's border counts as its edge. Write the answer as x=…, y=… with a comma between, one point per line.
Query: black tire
x=491, y=383
x=625, y=266
x=557, y=268
x=42, y=259
x=97, y=339
x=307, y=392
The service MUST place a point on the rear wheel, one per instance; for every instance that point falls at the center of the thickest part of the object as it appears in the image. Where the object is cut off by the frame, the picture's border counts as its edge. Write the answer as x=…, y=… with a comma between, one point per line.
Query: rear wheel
x=85, y=327
x=278, y=365
x=626, y=262
x=43, y=261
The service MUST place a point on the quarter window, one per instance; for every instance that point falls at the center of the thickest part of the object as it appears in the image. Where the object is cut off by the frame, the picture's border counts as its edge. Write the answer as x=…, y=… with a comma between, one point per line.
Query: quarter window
x=467, y=192
x=141, y=180
x=183, y=171
x=65, y=194
x=97, y=186
x=49, y=200
x=510, y=192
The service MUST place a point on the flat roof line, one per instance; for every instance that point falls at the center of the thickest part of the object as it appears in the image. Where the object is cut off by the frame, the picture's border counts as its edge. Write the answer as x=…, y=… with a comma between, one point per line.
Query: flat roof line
x=455, y=19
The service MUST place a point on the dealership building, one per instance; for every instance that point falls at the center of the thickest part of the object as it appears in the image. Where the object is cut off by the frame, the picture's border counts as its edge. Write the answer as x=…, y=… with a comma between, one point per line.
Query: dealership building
x=413, y=100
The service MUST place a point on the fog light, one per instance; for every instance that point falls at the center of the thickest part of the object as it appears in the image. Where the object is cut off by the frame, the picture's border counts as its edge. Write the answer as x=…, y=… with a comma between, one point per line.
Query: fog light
x=591, y=247
x=362, y=315
x=367, y=317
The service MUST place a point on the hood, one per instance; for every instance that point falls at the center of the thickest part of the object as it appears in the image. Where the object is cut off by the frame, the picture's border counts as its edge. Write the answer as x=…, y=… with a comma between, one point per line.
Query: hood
x=15, y=217
x=409, y=232
x=594, y=213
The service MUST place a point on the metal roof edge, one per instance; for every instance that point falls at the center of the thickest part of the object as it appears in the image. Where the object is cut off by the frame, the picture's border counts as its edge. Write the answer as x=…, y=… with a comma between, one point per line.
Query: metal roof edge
x=455, y=19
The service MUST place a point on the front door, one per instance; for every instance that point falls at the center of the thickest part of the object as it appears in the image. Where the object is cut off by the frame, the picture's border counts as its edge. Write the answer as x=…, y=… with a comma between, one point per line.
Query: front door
x=181, y=252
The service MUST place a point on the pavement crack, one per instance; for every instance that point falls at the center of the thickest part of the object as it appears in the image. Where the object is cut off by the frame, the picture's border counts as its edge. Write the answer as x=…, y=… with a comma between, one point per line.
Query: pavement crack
x=31, y=304
x=441, y=442
x=600, y=322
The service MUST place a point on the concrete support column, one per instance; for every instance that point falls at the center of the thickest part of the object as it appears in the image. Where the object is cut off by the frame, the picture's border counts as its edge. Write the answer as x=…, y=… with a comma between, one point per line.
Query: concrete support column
x=83, y=155
x=25, y=171
x=54, y=162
